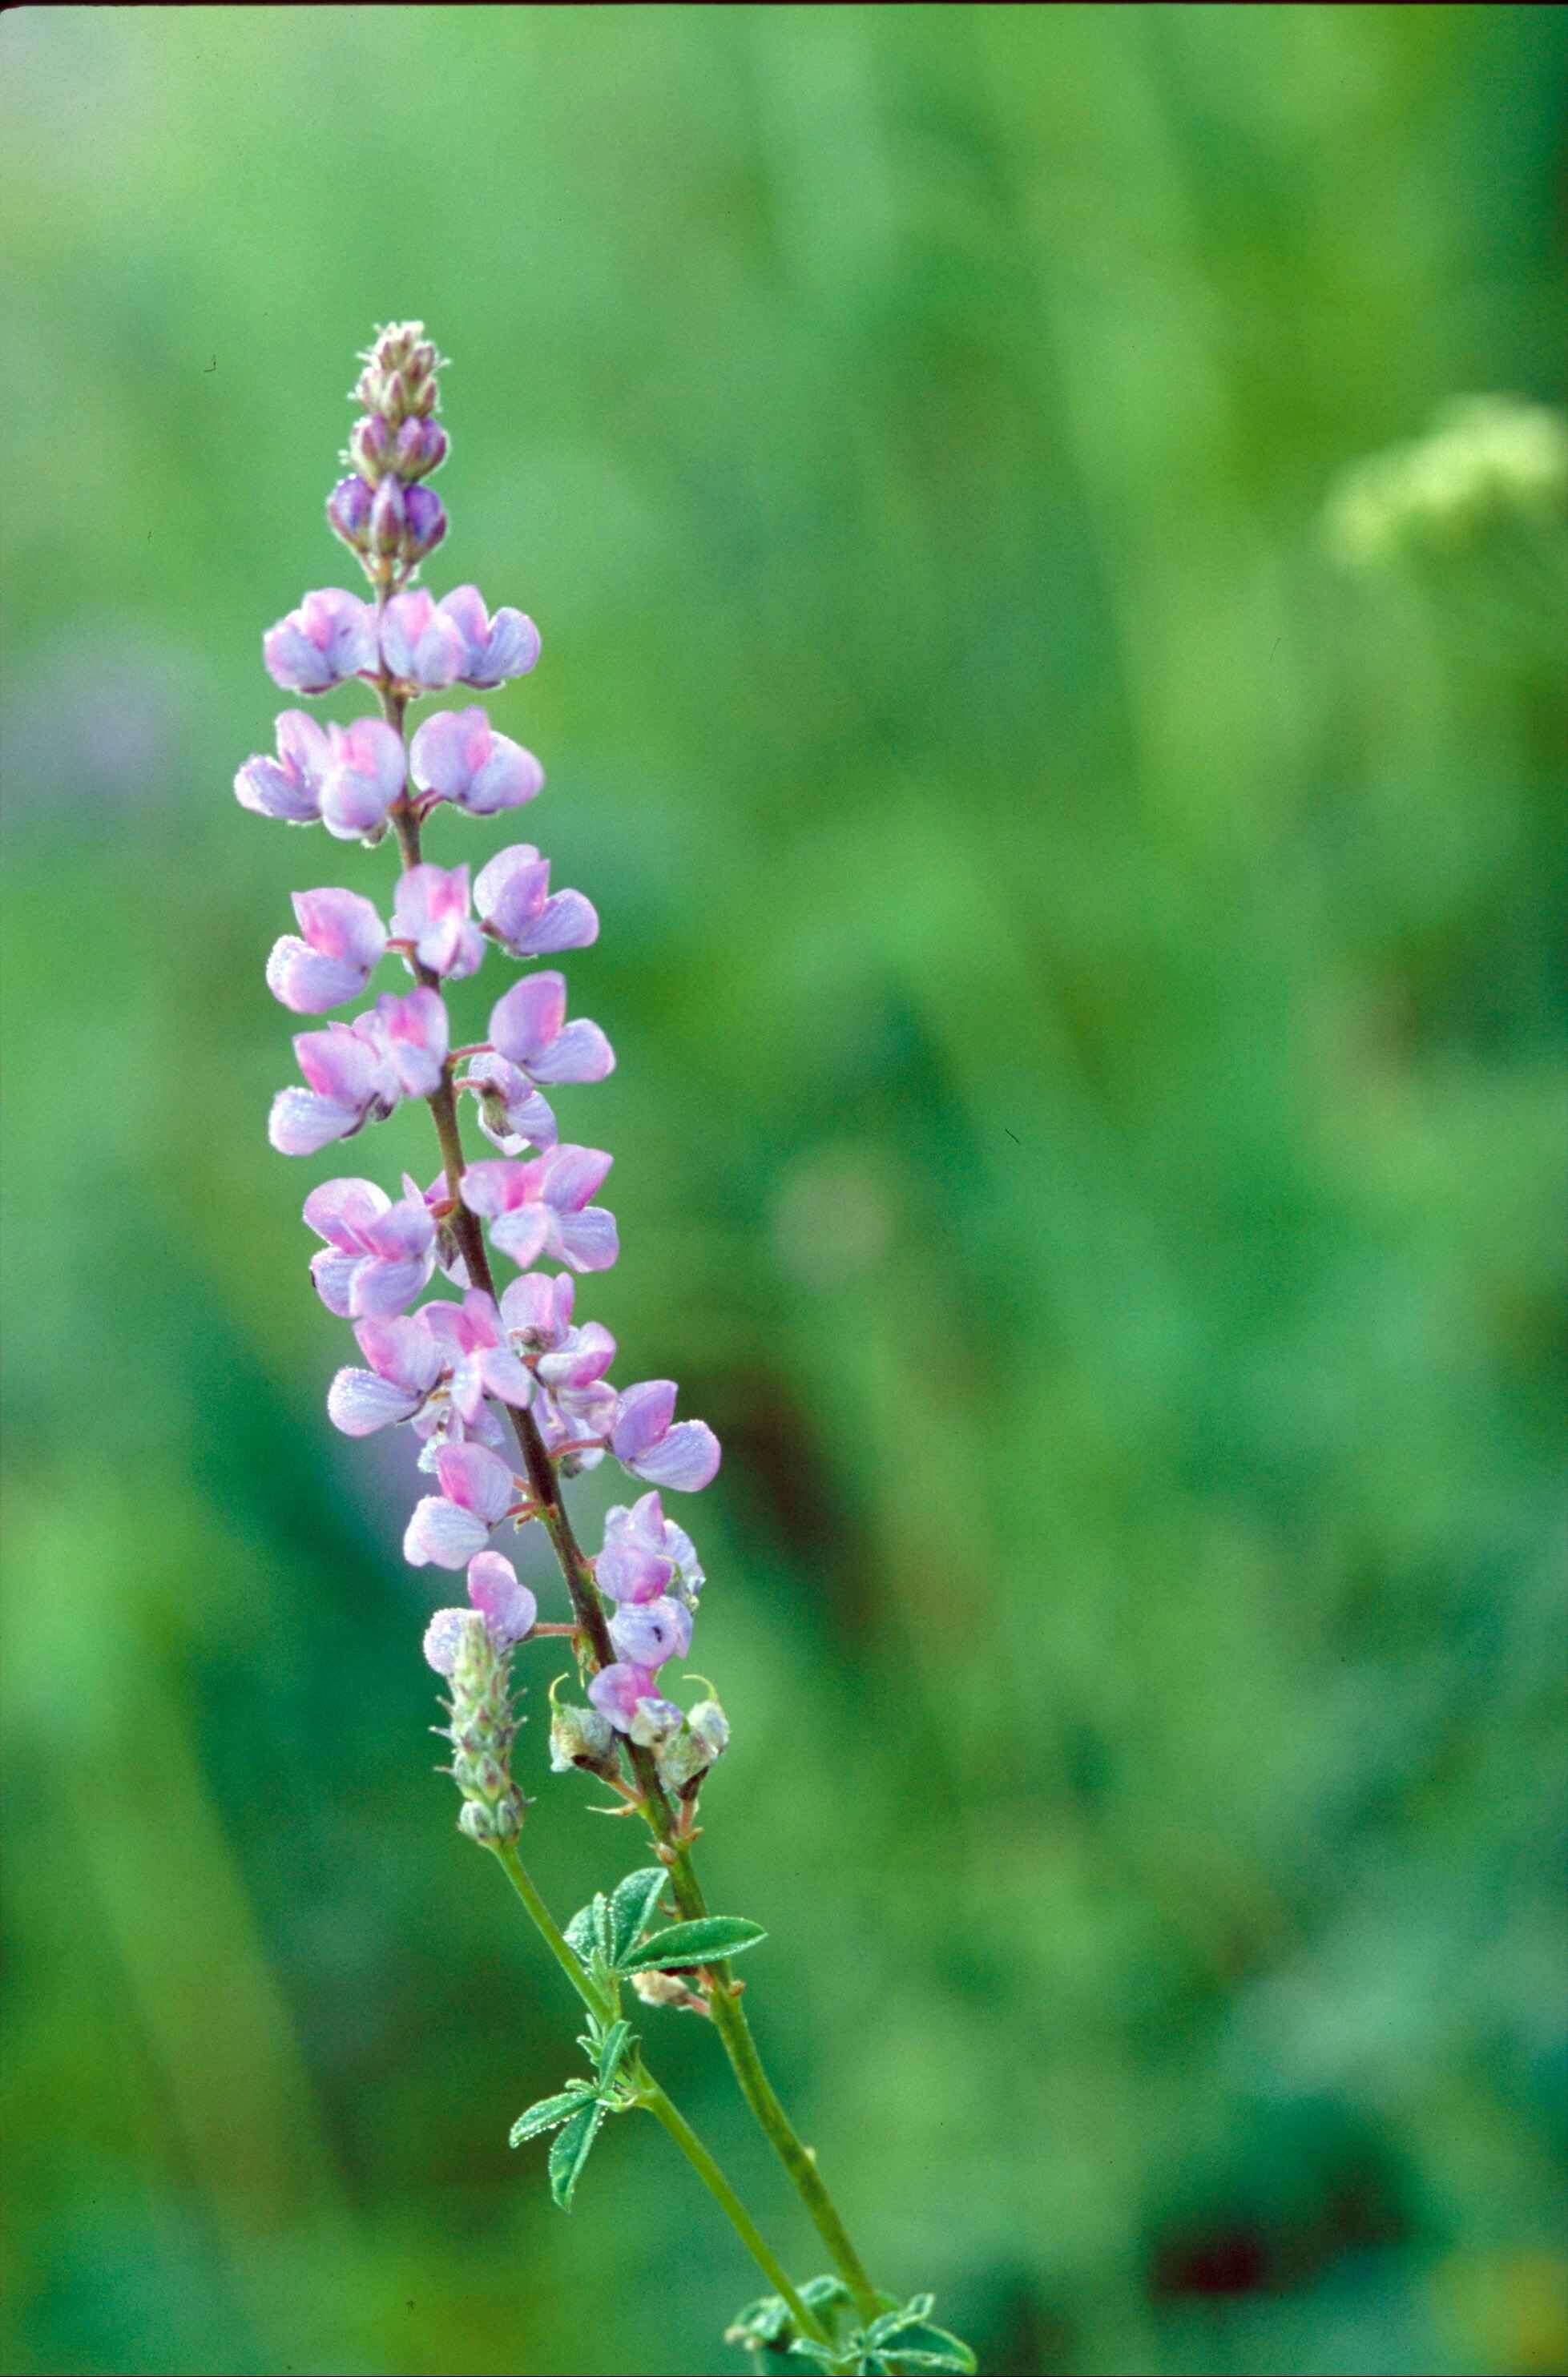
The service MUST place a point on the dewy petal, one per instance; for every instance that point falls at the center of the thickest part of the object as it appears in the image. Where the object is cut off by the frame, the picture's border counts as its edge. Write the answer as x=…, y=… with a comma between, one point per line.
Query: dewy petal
x=644, y=1417
x=522, y=1235
x=533, y=1306
x=632, y=1572
x=509, y=777
x=308, y=984
x=441, y=1533
x=566, y=921
x=405, y=1351
x=504, y=1376
x=332, y=1276
x=339, y=1209
x=446, y=750
x=443, y=1639
x=476, y=1479
x=359, y=1403
x=492, y=1186
x=507, y=1607
x=342, y=925
x=302, y=1122
x=615, y=1690
x=588, y=1241
x=418, y=1038
x=269, y=791
x=579, y=1053
x=569, y=1176
x=687, y=1458
x=529, y=1017
x=382, y=1287
x=648, y=1633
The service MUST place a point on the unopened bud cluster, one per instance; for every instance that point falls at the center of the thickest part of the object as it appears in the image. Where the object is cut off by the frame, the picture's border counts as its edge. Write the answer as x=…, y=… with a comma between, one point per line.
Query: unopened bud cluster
x=381, y=511
x=482, y=1728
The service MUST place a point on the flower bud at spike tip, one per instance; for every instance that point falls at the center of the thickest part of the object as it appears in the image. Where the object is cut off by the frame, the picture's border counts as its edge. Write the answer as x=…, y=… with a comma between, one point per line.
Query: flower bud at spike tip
x=460, y=1644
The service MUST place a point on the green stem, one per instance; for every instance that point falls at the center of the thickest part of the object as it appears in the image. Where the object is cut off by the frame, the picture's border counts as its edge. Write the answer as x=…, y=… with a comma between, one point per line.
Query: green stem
x=713, y=2178
x=650, y=2095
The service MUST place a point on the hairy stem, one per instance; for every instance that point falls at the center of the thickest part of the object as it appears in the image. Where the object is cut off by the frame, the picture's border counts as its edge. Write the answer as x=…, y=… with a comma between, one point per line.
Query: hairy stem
x=592, y=1634
x=649, y=2094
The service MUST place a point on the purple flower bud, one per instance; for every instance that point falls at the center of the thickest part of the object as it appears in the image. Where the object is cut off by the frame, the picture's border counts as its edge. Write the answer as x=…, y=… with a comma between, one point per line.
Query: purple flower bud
x=426, y=519
x=348, y=512
x=394, y=396
x=389, y=519
x=370, y=442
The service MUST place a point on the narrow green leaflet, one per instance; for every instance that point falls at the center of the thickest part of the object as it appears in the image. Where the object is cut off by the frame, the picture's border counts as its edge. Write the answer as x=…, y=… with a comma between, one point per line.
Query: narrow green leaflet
x=632, y=1907
x=705, y=1941
x=549, y=2113
x=762, y=2321
x=612, y=2053
x=572, y=2149
x=925, y=2347
x=581, y=1932
x=817, y=2293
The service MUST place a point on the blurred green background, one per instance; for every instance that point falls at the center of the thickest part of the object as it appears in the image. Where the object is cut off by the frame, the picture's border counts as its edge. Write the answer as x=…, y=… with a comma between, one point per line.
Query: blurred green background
x=1087, y=1134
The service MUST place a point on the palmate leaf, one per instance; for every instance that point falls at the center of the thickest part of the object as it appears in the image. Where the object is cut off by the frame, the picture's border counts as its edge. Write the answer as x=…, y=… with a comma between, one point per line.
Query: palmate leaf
x=581, y=1932
x=549, y=2113
x=632, y=1906
x=572, y=2149
x=762, y=2321
x=706, y=1941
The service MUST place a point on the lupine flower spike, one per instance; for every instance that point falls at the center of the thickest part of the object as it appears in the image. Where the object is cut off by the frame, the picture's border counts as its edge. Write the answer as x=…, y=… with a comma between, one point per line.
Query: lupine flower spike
x=505, y=1386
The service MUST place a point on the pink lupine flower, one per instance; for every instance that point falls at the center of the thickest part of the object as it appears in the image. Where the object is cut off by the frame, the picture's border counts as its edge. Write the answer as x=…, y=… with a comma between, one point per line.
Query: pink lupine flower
x=477, y=1491
x=495, y=649
x=512, y=1114
x=645, y=1554
x=538, y=1309
x=509, y=1609
x=421, y=644
x=646, y=1634
x=431, y=910
x=377, y=1255
x=572, y=1375
x=364, y=778
x=343, y=941
x=457, y=755
x=406, y=1361
x=289, y=786
x=418, y=1038
x=330, y=636
x=562, y=1437
x=528, y=1027
x=518, y=909
x=477, y=1351
x=352, y=1081
x=625, y=1694
x=685, y=1455
x=541, y=1208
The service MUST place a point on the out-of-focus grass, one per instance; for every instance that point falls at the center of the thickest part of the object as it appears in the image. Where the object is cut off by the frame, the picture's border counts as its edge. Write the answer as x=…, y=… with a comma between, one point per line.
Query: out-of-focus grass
x=1088, y=1113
